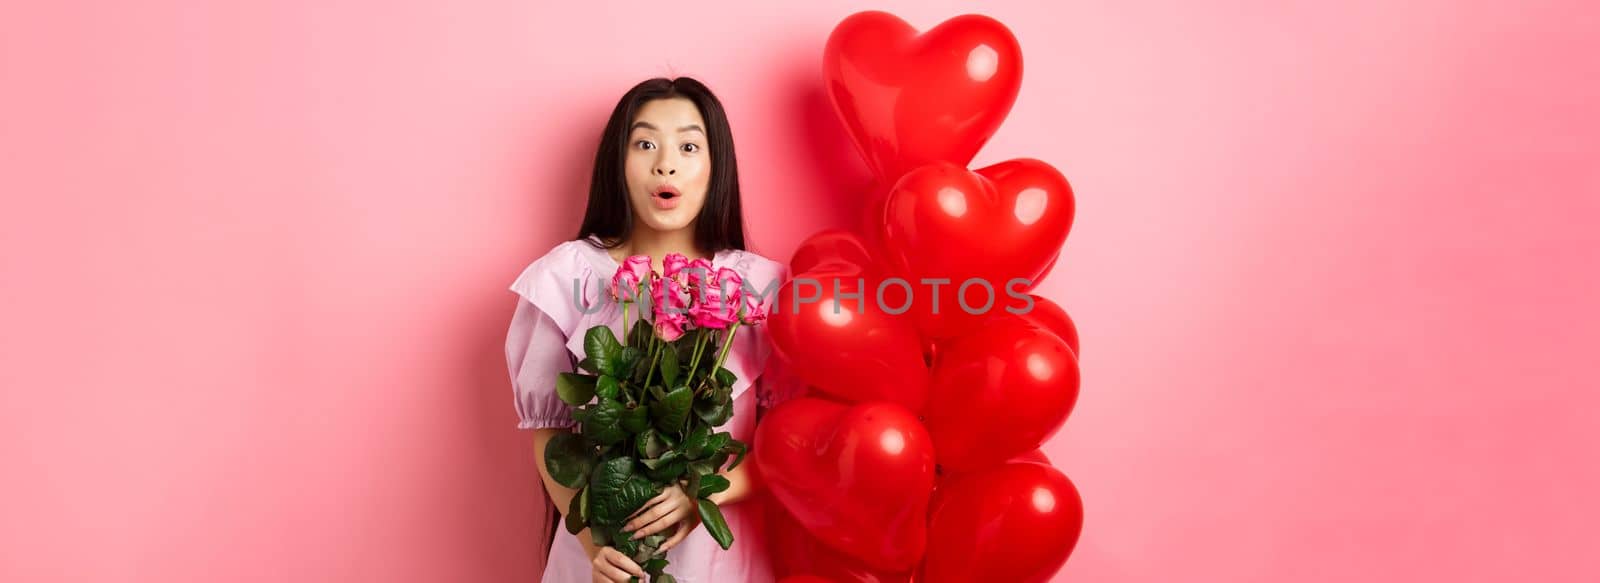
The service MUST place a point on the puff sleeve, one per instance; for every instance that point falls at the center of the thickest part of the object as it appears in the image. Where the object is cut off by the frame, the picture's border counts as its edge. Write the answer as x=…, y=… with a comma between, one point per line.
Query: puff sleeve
x=536, y=343
x=536, y=352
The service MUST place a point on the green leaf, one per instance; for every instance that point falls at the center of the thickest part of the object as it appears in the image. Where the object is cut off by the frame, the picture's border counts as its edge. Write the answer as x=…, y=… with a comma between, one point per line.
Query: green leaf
x=635, y=418
x=668, y=473
x=711, y=516
x=607, y=387
x=654, y=567
x=669, y=367
x=726, y=377
x=578, y=512
x=640, y=334
x=630, y=360
x=641, y=551
x=717, y=441
x=604, y=425
x=711, y=485
x=694, y=483
x=624, y=542
x=569, y=460
x=714, y=412
x=654, y=541
x=588, y=365
x=739, y=448
x=694, y=446
x=618, y=491
x=575, y=389
x=649, y=444
x=670, y=456
x=601, y=345
x=672, y=410
x=664, y=578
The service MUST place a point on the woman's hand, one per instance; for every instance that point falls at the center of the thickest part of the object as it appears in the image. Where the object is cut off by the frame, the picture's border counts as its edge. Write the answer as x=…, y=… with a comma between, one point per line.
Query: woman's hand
x=611, y=566
x=671, y=507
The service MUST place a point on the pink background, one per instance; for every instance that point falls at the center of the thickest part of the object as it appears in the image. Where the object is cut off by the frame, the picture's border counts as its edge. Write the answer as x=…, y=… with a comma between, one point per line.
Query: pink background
x=1335, y=269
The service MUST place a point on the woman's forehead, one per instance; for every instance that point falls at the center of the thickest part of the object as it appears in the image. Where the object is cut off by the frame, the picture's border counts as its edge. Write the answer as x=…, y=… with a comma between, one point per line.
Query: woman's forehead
x=673, y=114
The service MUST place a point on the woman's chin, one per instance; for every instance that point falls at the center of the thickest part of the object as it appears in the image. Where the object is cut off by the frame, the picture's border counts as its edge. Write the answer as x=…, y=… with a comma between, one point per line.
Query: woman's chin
x=668, y=220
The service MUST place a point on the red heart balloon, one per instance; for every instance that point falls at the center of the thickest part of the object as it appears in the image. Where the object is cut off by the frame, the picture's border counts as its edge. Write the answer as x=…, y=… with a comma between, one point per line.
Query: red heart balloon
x=994, y=232
x=910, y=99
x=1046, y=313
x=1014, y=522
x=828, y=247
x=796, y=553
x=1034, y=456
x=999, y=391
x=857, y=477
x=847, y=347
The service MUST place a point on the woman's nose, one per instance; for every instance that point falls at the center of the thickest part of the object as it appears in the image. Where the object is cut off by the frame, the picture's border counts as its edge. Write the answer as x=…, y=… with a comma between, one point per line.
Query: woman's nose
x=664, y=170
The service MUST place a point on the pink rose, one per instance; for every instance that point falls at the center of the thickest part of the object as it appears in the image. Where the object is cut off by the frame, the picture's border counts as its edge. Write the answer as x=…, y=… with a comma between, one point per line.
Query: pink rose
x=698, y=276
x=669, y=305
x=672, y=267
x=671, y=328
x=716, y=309
x=729, y=281
x=755, y=308
x=625, y=283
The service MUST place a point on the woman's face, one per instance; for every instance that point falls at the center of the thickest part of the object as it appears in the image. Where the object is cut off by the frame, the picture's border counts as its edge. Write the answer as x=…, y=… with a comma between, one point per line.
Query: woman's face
x=668, y=165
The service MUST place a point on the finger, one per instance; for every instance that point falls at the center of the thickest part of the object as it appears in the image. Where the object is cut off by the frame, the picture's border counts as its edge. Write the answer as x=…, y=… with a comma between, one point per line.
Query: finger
x=677, y=536
x=627, y=565
x=662, y=523
x=655, y=513
x=642, y=509
x=665, y=493
x=606, y=572
x=658, y=524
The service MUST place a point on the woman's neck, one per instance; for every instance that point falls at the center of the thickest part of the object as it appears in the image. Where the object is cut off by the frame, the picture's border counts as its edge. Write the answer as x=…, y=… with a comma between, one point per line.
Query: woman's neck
x=657, y=244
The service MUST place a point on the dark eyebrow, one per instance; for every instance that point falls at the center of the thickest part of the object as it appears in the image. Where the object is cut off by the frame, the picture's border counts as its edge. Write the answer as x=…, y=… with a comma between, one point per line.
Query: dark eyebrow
x=649, y=126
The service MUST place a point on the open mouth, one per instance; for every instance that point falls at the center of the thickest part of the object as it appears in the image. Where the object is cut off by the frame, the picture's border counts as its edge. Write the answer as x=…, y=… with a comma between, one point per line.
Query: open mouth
x=665, y=197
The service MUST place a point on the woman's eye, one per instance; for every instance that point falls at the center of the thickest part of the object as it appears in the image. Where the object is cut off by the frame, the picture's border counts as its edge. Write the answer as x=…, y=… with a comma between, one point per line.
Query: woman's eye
x=691, y=148
x=644, y=144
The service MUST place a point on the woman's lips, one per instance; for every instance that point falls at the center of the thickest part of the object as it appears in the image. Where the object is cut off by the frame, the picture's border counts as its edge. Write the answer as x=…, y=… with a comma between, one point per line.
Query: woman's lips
x=666, y=203
x=666, y=198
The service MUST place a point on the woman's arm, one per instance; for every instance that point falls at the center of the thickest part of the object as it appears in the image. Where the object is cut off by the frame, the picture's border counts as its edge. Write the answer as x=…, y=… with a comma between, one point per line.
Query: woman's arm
x=609, y=563
x=743, y=482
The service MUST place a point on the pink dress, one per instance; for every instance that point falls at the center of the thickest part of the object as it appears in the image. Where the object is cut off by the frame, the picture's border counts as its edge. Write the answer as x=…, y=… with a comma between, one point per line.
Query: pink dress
x=546, y=337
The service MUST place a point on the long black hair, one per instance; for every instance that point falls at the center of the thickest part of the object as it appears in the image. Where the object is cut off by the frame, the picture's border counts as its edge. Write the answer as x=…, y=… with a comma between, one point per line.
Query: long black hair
x=720, y=224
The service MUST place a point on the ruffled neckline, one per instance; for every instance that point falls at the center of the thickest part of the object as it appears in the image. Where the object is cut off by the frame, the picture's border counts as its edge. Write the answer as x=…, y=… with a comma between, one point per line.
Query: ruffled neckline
x=606, y=264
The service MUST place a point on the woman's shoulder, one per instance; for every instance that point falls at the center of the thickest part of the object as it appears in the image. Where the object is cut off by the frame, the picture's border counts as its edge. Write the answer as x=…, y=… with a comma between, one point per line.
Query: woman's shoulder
x=553, y=273
x=563, y=257
x=758, y=269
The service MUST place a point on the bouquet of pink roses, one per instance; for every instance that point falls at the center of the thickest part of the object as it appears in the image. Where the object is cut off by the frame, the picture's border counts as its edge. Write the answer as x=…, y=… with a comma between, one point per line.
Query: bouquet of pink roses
x=648, y=406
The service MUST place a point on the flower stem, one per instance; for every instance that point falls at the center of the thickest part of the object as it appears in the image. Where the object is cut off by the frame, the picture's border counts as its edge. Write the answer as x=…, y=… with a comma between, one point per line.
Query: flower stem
x=699, y=345
x=727, y=344
x=655, y=355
